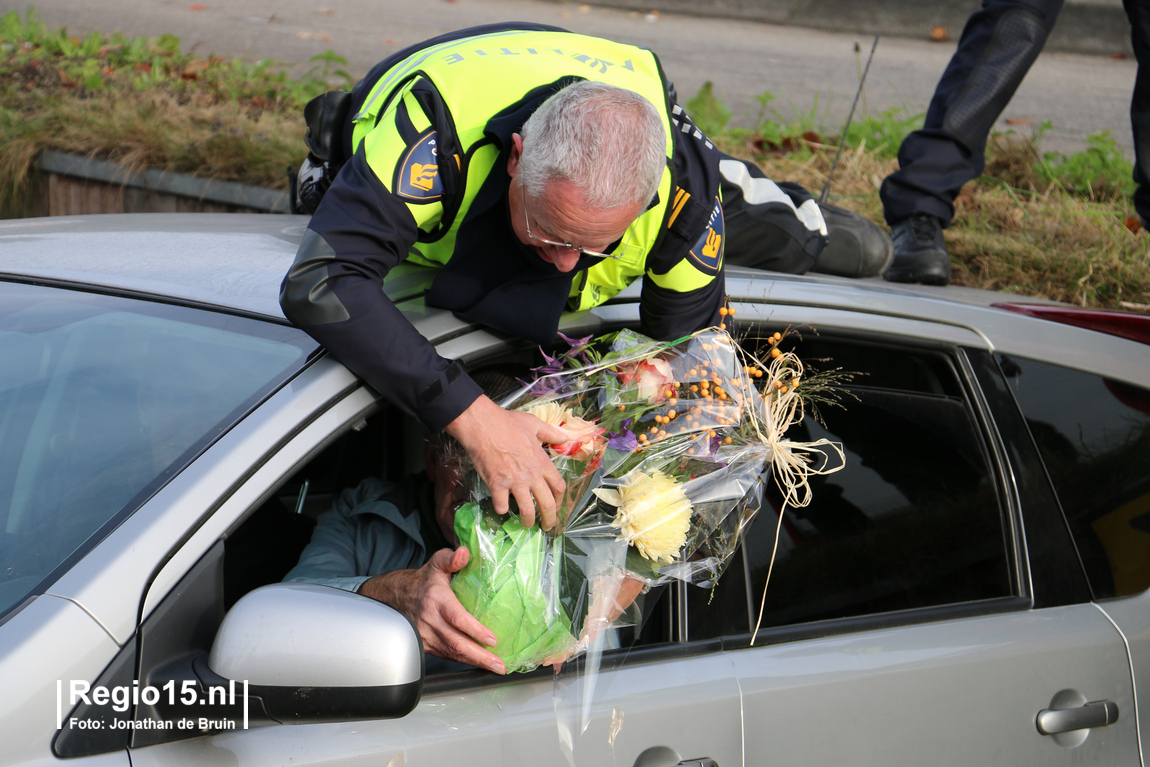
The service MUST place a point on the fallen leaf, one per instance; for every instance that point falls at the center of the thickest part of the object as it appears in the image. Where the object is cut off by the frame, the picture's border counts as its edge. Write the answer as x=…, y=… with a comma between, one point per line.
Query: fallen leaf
x=584, y=9
x=1133, y=224
x=389, y=41
x=193, y=69
x=1117, y=56
x=1017, y=121
x=327, y=11
x=197, y=7
x=812, y=138
x=564, y=14
x=107, y=71
x=146, y=68
x=939, y=34
x=314, y=36
x=964, y=201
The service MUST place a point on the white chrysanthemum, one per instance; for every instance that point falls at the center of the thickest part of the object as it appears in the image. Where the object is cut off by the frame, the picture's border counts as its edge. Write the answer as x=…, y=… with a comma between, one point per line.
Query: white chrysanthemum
x=653, y=514
x=551, y=412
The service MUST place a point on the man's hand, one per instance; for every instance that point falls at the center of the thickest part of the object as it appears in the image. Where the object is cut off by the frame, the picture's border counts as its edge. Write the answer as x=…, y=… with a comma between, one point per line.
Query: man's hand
x=507, y=451
x=425, y=597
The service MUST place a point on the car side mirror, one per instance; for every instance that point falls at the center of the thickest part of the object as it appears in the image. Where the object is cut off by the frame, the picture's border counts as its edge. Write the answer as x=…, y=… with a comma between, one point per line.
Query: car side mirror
x=319, y=654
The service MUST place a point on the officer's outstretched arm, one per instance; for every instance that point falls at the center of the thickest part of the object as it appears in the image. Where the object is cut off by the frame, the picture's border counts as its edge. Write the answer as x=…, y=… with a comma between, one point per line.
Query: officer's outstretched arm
x=334, y=291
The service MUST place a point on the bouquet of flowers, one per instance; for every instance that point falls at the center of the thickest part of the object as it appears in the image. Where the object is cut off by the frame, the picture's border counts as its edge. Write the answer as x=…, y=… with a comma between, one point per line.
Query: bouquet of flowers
x=670, y=446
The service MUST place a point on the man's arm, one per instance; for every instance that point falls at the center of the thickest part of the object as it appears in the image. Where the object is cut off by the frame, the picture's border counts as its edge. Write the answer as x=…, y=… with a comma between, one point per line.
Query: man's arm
x=444, y=625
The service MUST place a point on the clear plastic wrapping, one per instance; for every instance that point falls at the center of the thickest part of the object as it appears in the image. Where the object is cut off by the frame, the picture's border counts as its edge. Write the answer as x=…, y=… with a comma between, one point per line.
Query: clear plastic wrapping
x=671, y=444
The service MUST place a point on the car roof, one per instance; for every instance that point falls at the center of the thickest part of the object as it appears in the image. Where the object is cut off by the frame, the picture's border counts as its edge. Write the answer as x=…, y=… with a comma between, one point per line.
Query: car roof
x=236, y=262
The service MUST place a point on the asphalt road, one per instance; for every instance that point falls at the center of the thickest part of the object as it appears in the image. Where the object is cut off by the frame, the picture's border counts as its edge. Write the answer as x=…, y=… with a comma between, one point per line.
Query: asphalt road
x=1078, y=94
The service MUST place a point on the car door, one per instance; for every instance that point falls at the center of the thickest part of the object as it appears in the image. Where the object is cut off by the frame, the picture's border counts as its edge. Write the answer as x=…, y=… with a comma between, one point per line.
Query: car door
x=664, y=702
x=928, y=605
x=1092, y=429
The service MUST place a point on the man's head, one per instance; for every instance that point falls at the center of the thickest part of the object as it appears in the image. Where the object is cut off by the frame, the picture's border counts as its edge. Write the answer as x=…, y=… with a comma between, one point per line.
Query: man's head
x=588, y=163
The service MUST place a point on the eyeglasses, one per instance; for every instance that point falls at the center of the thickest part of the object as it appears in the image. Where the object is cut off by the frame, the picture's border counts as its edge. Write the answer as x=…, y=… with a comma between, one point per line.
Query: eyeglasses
x=569, y=246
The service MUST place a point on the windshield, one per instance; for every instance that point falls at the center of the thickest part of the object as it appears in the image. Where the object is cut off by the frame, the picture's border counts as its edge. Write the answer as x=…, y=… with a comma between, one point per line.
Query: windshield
x=102, y=401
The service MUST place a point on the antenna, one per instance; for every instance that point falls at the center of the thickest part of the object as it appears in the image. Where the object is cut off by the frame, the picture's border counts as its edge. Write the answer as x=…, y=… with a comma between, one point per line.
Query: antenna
x=838, y=154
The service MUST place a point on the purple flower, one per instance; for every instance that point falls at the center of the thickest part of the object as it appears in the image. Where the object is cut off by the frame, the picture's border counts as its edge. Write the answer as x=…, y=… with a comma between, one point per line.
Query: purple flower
x=576, y=344
x=578, y=348
x=625, y=441
x=551, y=365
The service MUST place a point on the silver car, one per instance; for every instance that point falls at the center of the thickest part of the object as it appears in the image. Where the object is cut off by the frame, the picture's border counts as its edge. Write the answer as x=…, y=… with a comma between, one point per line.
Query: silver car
x=970, y=590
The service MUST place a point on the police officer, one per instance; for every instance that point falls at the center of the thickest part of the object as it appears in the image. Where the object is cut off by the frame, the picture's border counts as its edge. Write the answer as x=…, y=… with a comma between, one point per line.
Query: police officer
x=539, y=171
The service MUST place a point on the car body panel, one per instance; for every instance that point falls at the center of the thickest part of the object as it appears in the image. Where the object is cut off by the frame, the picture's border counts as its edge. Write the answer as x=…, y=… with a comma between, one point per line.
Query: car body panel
x=1131, y=616
x=689, y=706
x=949, y=693
x=50, y=641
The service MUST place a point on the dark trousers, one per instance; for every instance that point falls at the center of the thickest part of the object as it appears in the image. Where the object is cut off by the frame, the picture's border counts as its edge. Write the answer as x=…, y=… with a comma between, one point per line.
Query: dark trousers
x=997, y=47
x=1138, y=11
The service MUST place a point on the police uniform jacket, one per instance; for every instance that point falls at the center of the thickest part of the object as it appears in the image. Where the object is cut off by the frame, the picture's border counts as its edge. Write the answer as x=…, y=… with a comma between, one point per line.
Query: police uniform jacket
x=429, y=134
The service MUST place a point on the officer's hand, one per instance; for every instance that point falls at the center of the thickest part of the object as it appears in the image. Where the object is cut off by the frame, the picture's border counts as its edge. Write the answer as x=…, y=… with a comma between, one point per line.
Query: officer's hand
x=507, y=451
x=444, y=625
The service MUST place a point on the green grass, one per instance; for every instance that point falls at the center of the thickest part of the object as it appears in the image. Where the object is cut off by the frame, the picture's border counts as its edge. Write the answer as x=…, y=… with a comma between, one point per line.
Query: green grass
x=1035, y=224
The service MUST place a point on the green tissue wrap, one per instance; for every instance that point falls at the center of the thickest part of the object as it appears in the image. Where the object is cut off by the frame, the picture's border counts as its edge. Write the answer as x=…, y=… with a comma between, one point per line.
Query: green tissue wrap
x=509, y=586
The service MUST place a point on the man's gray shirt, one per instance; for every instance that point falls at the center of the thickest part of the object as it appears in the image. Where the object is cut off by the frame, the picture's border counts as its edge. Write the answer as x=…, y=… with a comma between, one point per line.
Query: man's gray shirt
x=365, y=532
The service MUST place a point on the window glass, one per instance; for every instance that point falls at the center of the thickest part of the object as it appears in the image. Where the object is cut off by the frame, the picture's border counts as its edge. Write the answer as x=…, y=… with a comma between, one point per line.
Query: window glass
x=914, y=520
x=104, y=399
x=1094, y=435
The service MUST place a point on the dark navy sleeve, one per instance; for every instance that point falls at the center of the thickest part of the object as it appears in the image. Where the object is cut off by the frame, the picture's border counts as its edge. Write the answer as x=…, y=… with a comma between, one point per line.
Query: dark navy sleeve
x=668, y=314
x=334, y=291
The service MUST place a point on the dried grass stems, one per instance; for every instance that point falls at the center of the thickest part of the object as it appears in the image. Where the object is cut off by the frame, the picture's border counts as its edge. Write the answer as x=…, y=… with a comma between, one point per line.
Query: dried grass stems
x=1014, y=229
x=153, y=129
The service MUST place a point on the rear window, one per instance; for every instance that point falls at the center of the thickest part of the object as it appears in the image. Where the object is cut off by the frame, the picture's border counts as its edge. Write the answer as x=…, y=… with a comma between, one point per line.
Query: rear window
x=1094, y=436
x=102, y=401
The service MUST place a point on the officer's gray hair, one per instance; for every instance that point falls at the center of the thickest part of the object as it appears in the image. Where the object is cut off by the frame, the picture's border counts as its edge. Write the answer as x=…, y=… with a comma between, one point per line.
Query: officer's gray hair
x=609, y=142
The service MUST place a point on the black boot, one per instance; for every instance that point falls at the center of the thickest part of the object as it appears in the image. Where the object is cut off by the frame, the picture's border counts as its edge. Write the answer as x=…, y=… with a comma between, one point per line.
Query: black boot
x=919, y=252
x=856, y=247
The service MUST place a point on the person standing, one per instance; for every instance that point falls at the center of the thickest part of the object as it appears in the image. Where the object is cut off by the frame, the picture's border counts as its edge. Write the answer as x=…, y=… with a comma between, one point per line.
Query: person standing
x=999, y=44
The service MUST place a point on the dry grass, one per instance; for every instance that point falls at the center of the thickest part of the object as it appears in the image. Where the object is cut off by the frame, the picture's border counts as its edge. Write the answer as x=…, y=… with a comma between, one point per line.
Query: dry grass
x=143, y=103
x=1013, y=230
x=1054, y=228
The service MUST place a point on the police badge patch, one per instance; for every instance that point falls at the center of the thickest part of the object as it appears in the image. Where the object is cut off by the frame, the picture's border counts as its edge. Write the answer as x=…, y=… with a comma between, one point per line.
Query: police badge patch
x=417, y=176
x=707, y=253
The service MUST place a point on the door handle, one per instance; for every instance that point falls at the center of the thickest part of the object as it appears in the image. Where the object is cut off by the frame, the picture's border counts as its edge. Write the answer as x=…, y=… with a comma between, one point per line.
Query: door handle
x=1100, y=713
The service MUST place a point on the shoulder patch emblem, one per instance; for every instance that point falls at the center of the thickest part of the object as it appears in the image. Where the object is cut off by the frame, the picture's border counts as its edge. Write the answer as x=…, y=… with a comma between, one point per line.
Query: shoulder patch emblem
x=417, y=176
x=707, y=253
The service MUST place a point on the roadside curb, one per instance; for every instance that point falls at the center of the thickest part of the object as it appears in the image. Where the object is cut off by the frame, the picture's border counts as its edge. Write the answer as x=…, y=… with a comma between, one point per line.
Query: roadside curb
x=1090, y=28
x=178, y=185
